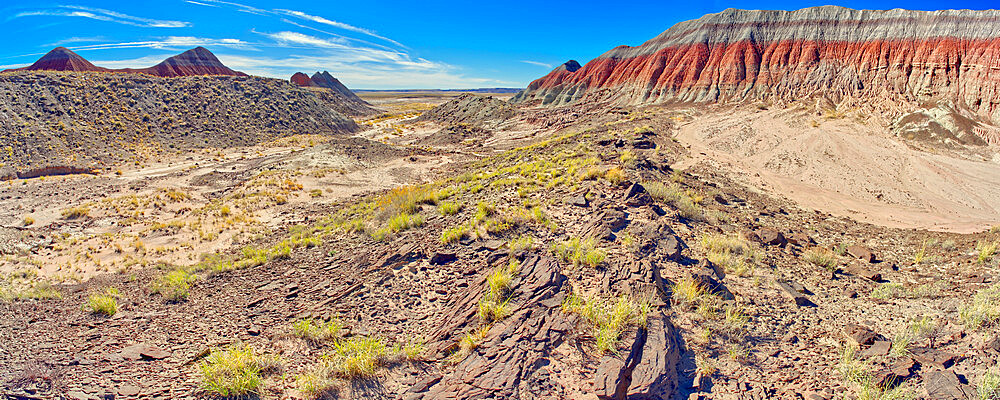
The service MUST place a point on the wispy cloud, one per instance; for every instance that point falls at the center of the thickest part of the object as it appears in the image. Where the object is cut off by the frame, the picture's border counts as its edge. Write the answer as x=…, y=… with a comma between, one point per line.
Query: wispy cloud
x=335, y=24
x=101, y=14
x=279, y=12
x=169, y=43
x=540, y=64
x=201, y=4
x=75, y=40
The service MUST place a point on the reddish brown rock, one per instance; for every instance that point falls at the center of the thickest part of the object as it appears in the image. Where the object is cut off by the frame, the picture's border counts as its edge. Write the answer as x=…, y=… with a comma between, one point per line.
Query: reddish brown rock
x=62, y=59
x=772, y=237
x=197, y=61
x=861, y=253
x=301, y=79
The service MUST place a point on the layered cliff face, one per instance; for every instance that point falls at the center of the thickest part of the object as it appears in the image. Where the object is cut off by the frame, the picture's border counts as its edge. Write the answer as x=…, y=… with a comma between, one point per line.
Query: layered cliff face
x=739, y=55
x=198, y=61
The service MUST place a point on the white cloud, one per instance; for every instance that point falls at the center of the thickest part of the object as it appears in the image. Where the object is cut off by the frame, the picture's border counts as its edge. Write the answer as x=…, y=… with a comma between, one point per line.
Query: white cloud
x=101, y=14
x=540, y=64
x=201, y=4
x=340, y=25
x=170, y=42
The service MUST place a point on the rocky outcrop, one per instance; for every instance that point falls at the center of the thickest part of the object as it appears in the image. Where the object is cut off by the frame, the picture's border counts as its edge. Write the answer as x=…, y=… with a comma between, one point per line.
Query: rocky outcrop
x=892, y=55
x=513, y=359
x=54, y=123
x=470, y=109
x=194, y=62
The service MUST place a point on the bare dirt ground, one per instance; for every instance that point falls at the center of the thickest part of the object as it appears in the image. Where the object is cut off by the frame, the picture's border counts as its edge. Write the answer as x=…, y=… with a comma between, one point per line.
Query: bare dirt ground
x=848, y=167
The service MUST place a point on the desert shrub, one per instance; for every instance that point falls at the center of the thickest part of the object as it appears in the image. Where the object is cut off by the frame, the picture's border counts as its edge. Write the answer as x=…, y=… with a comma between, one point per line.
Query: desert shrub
x=28, y=221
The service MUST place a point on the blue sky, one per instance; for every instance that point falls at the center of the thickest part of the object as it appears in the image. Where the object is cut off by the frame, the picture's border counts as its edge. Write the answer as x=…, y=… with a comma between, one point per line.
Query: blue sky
x=367, y=44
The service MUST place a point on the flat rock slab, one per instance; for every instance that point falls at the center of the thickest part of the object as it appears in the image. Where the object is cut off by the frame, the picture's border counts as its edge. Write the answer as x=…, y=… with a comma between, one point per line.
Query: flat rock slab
x=878, y=348
x=933, y=357
x=144, y=351
x=791, y=291
x=945, y=385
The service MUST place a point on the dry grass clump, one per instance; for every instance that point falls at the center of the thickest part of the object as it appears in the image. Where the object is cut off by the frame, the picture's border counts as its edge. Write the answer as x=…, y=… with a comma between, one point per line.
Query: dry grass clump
x=916, y=330
x=454, y=234
x=76, y=212
x=174, y=285
x=103, y=303
x=317, y=331
x=449, y=207
x=821, y=257
x=580, y=252
x=989, y=385
x=28, y=221
x=495, y=304
x=608, y=318
x=866, y=385
x=983, y=310
x=685, y=202
x=359, y=357
x=234, y=372
x=731, y=252
x=986, y=250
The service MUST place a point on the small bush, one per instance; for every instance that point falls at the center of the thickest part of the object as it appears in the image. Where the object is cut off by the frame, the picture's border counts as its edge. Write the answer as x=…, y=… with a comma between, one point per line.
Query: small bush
x=28, y=221
x=686, y=203
x=105, y=303
x=315, y=193
x=233, y=372
x=175, y=284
